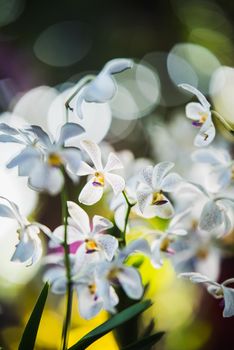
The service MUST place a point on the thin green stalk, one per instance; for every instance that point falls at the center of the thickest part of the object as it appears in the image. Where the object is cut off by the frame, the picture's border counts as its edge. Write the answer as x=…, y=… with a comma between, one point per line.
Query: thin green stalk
x=129, y=207
x=79, y=86
x=226, y=125
x=66, y=326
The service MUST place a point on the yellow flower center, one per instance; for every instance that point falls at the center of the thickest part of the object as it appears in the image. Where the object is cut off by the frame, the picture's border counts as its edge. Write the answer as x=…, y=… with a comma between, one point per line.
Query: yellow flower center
x=158, y=199
x=165, y=244
x=232, y=171
x=113, y=273
x=90, y=246
x=54, y=159
x=203, y=117
x=202, y=253
x=99, y=179
x=92, y=288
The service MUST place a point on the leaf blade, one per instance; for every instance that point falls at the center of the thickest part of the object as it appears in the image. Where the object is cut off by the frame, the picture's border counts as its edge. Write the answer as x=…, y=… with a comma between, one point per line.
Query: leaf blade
x=112, y=323
x=145, y=342
x=30, y=332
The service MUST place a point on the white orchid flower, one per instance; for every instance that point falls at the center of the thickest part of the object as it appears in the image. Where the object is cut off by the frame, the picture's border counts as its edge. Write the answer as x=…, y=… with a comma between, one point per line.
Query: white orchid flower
x=161, y=246
x=200, y=113
x=92, y=295
x=100, y=176
x=29, y=248
x=221, y=172
x=217, y=290
x=116, y=273
x=94, y=243
x=197, y=252
x=42, y=158
x=130, y=172
x=103, y=87
x=155, y=181
x=215, y=212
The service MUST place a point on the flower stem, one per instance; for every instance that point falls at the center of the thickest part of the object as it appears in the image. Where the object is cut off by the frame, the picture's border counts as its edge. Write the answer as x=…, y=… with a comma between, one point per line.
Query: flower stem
x=79, y=86
x=66, y=325
x=129, y=207
x=226, y=125
x=229, y=281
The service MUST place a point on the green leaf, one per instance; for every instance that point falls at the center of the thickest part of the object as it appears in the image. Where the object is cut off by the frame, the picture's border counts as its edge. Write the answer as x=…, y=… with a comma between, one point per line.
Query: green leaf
x=30, y=332
x=112, y=323
x=145, y=343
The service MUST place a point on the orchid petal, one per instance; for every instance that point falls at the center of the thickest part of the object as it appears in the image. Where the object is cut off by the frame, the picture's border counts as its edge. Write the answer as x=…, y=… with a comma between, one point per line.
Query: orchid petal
x=116, y=181
x=197, y=93
x=194, y=111
x=41, y=134
x=113, y=163
x=228, y=301
x=205, y=136
x=159, y=171
x=46, y=178
x=211, y=216
x=130, y=280
x=85, y=169
x=89, y=305
x=90, y=194
x=146, y=175
x=68, y=131
x=100, y=224
x=170, y=182
x=72, y=159
x=94, y=153
x=117, y=65
x=109, y=245
x=79, y=216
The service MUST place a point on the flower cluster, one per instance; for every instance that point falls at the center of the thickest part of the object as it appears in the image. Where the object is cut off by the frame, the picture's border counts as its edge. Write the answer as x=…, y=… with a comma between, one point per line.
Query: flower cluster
x=92, y=256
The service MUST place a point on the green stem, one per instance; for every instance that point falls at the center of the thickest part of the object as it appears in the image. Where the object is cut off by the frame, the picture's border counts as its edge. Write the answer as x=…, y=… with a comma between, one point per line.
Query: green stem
x=79, y=86
x=226, y=125
x=129, y=207
x=66, y=326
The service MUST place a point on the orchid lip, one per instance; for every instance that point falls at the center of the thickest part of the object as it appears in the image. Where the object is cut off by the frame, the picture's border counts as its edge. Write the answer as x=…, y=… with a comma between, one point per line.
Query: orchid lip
x=90, y=251
x=97, y=184
x=197, y=124
x=161, y=202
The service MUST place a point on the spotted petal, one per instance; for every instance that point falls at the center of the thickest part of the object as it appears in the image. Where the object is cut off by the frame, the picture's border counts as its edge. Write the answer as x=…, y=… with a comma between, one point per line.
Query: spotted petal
x=160, y=170
x=146, y=175
x=211, y=216
x=101, y=224
x=144, y=198
x=170, y=182
x=109, y=245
